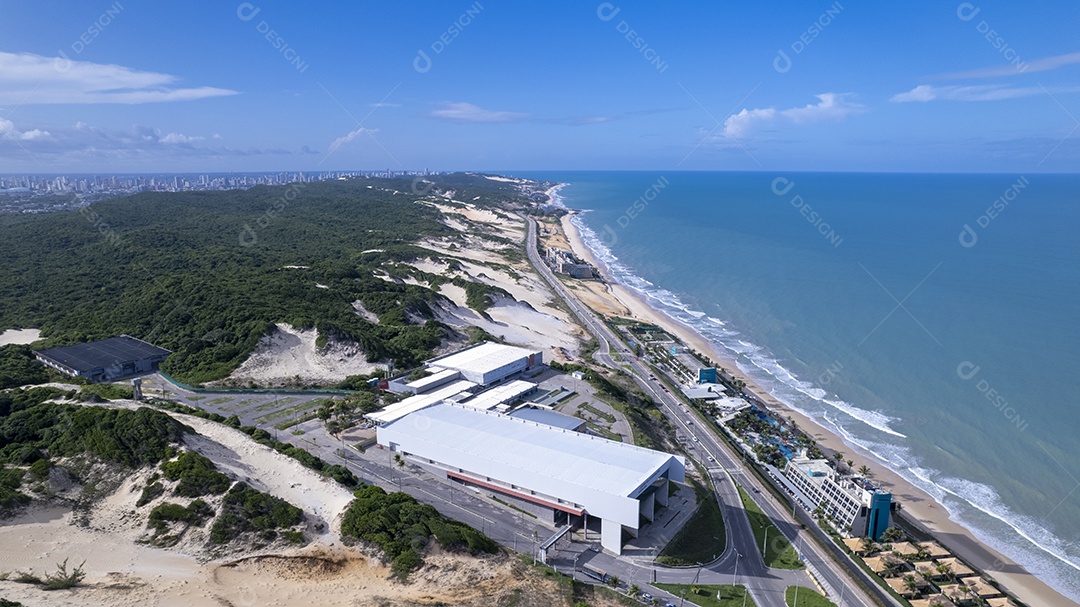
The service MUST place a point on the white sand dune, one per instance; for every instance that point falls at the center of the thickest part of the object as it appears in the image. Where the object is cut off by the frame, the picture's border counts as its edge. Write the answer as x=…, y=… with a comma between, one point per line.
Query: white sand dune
x=291, y=352
x=19, y=336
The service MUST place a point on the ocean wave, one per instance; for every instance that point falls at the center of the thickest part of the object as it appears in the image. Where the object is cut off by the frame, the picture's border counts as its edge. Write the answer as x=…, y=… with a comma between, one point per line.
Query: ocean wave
x=971, y=504
x=672, y=305
x=965, y=500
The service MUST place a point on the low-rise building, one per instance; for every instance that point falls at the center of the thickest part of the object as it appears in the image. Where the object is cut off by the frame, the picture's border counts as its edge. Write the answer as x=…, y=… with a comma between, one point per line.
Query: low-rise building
x=106, y=360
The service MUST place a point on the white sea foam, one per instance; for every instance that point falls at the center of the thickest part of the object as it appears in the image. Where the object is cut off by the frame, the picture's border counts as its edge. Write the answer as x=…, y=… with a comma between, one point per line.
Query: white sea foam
x=976, y=506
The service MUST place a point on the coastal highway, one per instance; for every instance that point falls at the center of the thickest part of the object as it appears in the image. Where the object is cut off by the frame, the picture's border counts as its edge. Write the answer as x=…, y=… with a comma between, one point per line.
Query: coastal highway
x=766, y=585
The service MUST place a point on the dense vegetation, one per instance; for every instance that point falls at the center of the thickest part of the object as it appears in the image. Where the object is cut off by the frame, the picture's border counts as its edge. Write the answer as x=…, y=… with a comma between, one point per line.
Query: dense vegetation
x=402, y=527
x=206, y=274
x=18, y=367
x=196, y=474
x=32, y=431
x=196, y=513
x=133, y=438
x=247, y=510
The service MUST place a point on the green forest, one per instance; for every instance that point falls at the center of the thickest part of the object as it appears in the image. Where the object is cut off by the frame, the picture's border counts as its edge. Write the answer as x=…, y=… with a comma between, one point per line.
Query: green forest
x=206, y=274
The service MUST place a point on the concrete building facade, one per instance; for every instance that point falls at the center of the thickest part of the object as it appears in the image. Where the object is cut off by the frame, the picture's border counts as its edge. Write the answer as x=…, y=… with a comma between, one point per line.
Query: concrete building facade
x=853, y=504
x=570, y=477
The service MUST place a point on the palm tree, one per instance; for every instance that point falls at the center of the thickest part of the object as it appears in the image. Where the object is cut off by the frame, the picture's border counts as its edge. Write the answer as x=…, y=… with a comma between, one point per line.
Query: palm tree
x=839, y=457
x=944, y=569
x=910, y=584
x=864, y=471
x=633, y=590
x=850, y=463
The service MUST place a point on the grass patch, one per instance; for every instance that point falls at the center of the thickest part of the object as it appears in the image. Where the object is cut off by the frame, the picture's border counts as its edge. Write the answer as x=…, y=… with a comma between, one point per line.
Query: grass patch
x=606, y=433
x=276, y=415
x=703, y=538
x=273, y=405
x=705, y=594
x=289, y=423
x=779, y=552
x=609, y=418
x=220, y=401
x=238, y=405
x=808, y=597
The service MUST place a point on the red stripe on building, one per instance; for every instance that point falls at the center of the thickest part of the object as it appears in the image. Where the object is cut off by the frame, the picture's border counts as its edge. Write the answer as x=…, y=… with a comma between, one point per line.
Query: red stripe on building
x=525, y=496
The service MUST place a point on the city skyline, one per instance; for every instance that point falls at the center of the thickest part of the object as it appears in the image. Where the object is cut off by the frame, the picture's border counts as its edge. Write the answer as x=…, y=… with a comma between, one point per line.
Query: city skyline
x=265, y=86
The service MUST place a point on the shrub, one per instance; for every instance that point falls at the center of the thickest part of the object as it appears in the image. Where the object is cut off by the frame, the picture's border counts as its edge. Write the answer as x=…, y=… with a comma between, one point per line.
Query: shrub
x=40, y=468
x=150, y=493
x=61, y=579
x=244, y=509
x=196, y=474
x=405, y=563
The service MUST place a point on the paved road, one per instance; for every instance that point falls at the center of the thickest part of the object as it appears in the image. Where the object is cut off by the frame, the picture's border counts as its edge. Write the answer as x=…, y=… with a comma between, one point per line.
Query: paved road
x=766, y=585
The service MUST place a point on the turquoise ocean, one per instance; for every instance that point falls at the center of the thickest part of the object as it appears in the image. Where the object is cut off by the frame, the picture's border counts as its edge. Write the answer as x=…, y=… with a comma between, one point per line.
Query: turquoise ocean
x=929, y=319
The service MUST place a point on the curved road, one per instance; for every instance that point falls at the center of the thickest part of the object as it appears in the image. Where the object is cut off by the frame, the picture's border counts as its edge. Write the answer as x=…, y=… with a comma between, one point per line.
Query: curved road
x=766, y=585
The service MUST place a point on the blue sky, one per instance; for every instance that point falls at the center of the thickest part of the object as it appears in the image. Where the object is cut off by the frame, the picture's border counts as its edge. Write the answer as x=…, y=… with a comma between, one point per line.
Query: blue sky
x=140, y=86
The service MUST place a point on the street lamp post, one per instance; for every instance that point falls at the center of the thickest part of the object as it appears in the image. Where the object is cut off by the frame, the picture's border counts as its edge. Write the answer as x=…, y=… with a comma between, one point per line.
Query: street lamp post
x=763, y=542
x=735, y=576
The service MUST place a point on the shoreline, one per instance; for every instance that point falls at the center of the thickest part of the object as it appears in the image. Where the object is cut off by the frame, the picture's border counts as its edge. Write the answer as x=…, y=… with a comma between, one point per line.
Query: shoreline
x=918, y=507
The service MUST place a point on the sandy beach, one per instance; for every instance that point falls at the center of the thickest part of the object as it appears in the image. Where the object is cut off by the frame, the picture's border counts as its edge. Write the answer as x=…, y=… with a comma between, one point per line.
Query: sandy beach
x=917, y=505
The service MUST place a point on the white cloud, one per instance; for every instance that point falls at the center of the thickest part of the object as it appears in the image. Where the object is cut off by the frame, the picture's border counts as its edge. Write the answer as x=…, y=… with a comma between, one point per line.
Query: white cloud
x=830, y=106
x=11, y=133
x=26, y=78
x=1044, y=64
x=83, y=141
x=981, y=92
x=177, y=138
x=467, y=112
x=340, y=141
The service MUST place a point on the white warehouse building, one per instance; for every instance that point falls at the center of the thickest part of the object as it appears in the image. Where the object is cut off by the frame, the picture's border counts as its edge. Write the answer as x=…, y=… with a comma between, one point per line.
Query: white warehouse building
x=487, y=362
x=572, y=476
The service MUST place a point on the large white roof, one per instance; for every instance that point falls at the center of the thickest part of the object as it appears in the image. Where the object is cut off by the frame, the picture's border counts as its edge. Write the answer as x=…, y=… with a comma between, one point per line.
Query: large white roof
x=539, y=456
x=415, y=403
x=421, y=385
x=482, y=358
x=500, y=395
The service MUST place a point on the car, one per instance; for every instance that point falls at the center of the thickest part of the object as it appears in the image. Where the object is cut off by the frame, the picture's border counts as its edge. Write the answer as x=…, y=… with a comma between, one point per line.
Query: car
x=669, y=604
x=646, y=596
x=695, y=439
x=712, y=459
